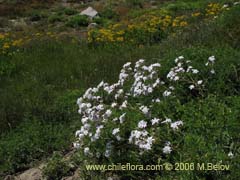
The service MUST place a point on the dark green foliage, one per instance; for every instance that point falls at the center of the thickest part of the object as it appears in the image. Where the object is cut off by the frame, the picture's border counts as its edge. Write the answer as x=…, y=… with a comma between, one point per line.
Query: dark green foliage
x=229, y=24
x=109, y=13
x=56, y=167
x=69, y=11
x=135, y=3
x=78, y=21
x=55, y=18
x=37, y=15
x=30, y=141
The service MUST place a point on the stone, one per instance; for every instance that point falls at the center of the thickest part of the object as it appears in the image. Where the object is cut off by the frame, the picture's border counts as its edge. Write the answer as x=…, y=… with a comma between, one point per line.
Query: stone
x=9, y=177
x=31, y=174
x=90, y=12
x=92, y=26
x=18, y=24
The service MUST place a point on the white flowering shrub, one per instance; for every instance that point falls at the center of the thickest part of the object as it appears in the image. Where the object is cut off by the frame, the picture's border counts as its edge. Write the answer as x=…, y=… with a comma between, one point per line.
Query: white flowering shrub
x=126, y=118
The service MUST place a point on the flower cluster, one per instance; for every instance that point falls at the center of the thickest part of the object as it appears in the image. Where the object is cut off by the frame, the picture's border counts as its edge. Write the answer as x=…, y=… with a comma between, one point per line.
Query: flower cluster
x=185, y=72
x=106, y=109
x=140, y=29
x=151, y=26
x=213, y=9
x=10, y=43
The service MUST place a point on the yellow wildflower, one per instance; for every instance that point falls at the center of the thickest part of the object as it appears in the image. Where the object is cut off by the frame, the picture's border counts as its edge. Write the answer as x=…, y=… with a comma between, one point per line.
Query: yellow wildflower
x=2, y=36
x=175, y=23
x=17, y=42
x=38, y=34
x=120, y=39
x=6, y=45
x=196, y=14
x=183, y=23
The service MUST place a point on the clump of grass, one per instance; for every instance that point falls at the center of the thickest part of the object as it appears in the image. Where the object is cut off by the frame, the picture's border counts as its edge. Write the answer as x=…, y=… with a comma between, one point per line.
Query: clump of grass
x=109, y=13
x=31, y=141
x=69, y=11
x=125, y=114
x=78, y=21
x=55, y=18
x=56, y=168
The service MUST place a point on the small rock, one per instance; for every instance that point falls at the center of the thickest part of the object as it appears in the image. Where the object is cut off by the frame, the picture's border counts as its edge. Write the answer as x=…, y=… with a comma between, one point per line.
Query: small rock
x=92, y=25
x=31, y=174
x=18, y=24
x=9, y=177
x=90, y=12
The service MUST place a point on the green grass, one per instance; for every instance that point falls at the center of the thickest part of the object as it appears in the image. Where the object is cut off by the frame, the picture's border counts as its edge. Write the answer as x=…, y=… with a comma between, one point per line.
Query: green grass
x=39, y=87
x=32, y=140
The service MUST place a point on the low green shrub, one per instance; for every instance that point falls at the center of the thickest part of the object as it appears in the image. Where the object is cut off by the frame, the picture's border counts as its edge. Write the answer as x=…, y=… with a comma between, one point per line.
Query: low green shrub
x=78, y=21
x=37, y=15
x=109, y=13
x=135, y=3
x=56, y=168
x=140, y=120
x=32, y=140
x=69, y=11
x=55, y=18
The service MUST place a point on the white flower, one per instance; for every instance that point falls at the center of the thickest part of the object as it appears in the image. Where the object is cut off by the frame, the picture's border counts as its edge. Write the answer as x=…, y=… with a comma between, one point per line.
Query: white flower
x=230, y=154
x=167, y=93
x=76, y=145
x=176, y=78
x=212, y=71
x=86, y=126
x=155, y=121
x=211, y=59
x=84, y=120
x=79, y=100
x=144, y=109
x=200, y=82
x=126, y=65
x=107, y=114
x=167, y=120
x=181, y=57
x=100, y=107
x=179, y=65
x=195, y=71
x=101, y=84
x=171, y=87
x=150, y=90
x=225, y=6
x=86, y=150
x=176, y=60
x=113, y=105
x=115, y=119
x=191, y=87
x=167, y=148
x=77, y=133
x=142, y=124
x=124, y=105
x=122, y=118
x=156, y=100
x=176, y=125
x=115, y=131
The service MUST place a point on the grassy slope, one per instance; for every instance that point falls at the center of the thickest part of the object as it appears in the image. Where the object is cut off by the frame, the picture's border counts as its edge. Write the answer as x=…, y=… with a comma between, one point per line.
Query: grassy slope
x=46, y=79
